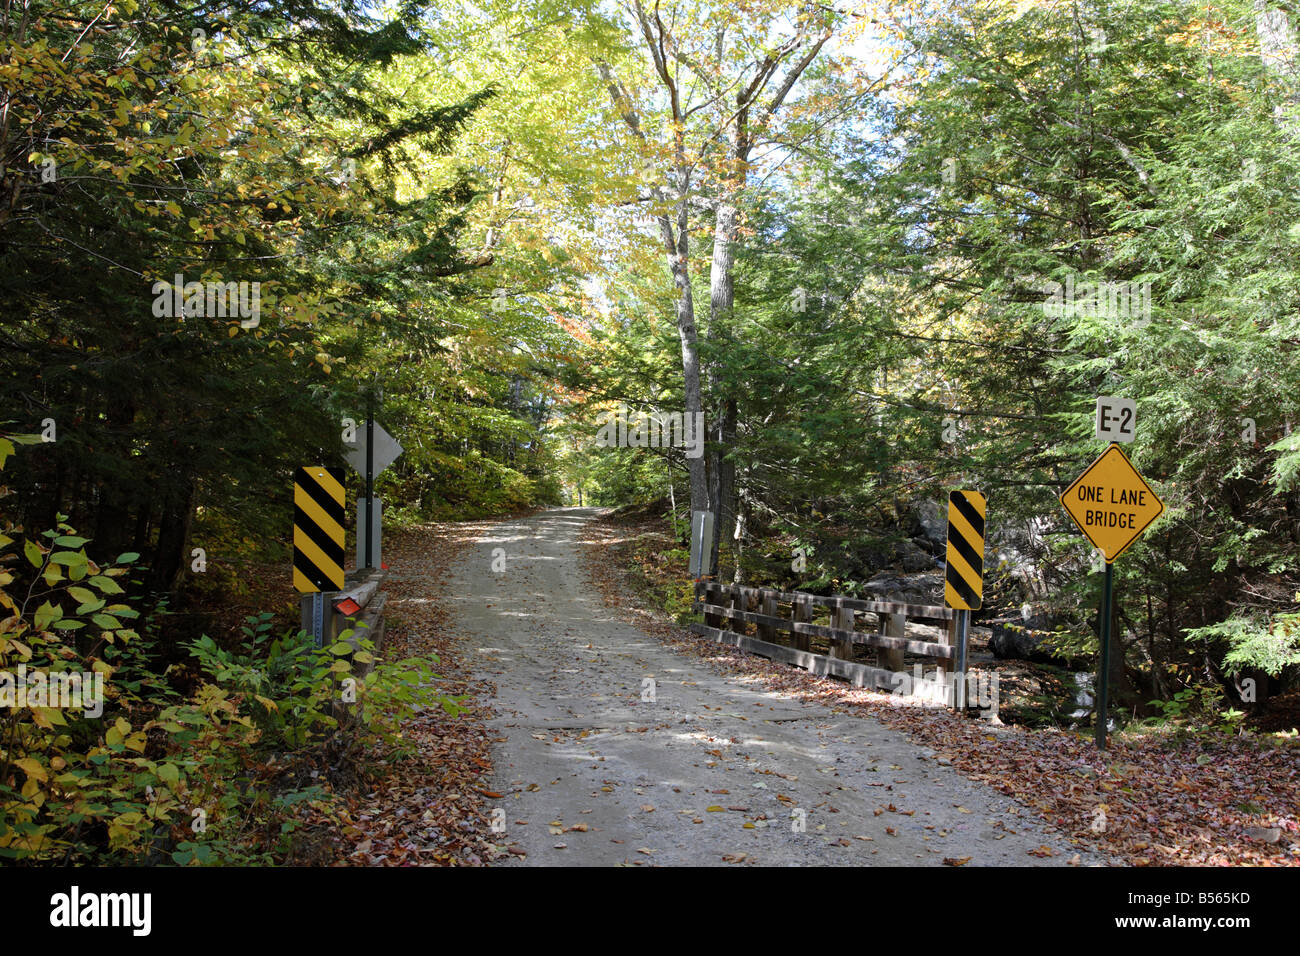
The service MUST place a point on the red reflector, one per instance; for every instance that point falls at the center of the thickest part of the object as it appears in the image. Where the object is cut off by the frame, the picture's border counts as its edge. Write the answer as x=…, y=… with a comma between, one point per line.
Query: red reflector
x=347, y=607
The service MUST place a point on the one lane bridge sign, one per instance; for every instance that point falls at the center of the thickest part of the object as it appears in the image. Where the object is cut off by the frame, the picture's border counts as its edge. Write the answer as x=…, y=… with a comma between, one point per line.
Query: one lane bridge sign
x=1111, y=503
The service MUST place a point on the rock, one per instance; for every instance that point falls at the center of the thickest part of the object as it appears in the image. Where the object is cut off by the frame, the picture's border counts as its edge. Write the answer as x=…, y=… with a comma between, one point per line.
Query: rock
x=929, y=521
x=906, y=589
x=1023, y=640
x=870, y=559
x=911, y=557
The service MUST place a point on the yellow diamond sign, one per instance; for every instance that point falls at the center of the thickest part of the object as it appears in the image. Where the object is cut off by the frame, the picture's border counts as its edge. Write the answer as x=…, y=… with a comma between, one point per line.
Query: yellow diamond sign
x=1111, y=503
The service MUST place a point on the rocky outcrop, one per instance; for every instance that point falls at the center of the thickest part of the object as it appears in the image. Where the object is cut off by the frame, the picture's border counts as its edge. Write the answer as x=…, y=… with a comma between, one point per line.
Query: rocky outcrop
x=905, y=588
x=1025, y=639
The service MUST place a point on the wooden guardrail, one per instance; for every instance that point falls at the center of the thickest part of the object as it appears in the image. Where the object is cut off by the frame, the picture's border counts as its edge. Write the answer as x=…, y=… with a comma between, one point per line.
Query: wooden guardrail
x=359, y=607
x=784, y=630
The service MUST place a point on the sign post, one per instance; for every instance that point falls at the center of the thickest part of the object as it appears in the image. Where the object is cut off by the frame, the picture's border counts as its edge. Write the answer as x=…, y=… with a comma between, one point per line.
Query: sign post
x=1103, y=660
x=370, y=481
x=1112, y=505
x=318, y=618
x=368, y=458
x=963, y=587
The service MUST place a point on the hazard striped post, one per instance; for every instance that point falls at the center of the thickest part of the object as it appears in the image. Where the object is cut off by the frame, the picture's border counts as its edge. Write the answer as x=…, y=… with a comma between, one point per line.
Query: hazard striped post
x=318, y=537
x=963, y=587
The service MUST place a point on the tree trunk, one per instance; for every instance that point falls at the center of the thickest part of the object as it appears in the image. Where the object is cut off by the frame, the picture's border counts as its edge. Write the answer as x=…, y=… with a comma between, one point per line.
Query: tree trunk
x=1277, y=45
x=722, y=300
x=678, y=247
x=173, y=533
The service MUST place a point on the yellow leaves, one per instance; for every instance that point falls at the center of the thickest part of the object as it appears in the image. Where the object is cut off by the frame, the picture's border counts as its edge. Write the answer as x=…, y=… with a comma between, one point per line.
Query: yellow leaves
x=48, y=717
x=32, y=767
x=116, y=736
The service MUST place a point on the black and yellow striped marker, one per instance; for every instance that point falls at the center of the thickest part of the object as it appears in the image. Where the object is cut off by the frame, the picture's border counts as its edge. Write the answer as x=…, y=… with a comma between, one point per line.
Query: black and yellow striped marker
x=318, y=529
x=964, y=577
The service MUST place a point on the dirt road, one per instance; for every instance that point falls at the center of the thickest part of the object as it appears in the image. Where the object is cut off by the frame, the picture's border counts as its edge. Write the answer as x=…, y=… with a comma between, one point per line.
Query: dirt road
x=619, y=750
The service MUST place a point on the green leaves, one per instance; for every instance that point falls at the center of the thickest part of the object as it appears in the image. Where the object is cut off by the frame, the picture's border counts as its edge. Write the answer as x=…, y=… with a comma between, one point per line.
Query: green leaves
x=84, y=597
x=46, y=614
x=105, y=584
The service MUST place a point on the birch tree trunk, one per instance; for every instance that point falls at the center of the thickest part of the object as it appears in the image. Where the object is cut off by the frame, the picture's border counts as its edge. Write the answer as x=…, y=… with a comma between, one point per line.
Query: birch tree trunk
x=1277, y=47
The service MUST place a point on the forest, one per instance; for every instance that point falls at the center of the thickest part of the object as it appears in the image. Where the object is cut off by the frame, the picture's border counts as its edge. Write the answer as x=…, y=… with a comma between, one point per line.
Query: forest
x=806, y=266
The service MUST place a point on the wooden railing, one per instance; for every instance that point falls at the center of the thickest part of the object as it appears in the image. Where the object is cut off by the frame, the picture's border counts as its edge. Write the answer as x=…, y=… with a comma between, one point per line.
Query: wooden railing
x=366, y=621
x=785, y=630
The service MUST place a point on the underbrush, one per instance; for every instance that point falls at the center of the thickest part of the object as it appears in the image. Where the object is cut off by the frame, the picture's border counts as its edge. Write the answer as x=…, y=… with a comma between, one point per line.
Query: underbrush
x=111, y=754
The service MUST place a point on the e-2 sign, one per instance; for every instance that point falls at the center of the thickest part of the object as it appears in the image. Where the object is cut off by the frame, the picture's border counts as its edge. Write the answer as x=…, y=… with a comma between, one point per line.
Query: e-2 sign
x=1115, y=418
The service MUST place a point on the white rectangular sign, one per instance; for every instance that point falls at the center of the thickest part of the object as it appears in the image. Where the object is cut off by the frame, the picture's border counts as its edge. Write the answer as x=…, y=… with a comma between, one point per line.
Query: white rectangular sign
x=701, y=543
x=376, y=535
x=1115, y=418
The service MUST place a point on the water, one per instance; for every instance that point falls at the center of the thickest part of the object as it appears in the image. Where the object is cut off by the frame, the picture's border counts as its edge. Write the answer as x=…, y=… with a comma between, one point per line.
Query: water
x=1083, y=699
x=1084, y=684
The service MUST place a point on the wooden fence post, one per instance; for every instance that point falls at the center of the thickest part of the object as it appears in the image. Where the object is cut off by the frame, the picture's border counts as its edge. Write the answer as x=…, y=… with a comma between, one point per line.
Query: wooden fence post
x=801, y=610
x=750, y=604
x=767, y=605
x=892, y=625
x=842, y=620
x=711, y=618
x=946, y=664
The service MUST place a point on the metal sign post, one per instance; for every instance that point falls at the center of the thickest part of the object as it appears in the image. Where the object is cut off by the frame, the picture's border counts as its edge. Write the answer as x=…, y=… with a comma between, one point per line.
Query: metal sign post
x=1103, y=662
x=959, y=674
x=318, y=618
x=370, y=482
